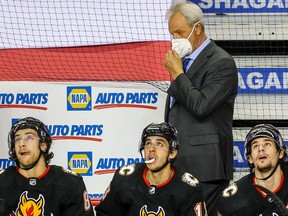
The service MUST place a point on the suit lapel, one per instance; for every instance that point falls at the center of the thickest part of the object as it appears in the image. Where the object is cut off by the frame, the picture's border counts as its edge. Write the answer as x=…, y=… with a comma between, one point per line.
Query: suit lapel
x=167, y=108
x=201, y=59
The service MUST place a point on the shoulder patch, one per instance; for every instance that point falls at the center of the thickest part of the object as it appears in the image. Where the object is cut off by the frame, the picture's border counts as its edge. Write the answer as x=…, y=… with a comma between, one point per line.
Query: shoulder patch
x=127, y=170
x=231, y=190
x=190, y=179
x=69, y=171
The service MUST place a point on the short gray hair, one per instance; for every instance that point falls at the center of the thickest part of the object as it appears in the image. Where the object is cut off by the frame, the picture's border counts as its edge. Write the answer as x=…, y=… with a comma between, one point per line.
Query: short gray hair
x=190, y=11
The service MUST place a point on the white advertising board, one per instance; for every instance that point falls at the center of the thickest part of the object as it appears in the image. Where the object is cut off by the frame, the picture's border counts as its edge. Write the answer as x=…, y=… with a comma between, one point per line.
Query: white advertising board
x=96, y=127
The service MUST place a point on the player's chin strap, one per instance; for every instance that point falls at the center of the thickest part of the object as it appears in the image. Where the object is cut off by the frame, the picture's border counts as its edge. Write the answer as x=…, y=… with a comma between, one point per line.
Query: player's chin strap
x=273, y=198
x=273, y=171
x=160, y=168
x=34, y=164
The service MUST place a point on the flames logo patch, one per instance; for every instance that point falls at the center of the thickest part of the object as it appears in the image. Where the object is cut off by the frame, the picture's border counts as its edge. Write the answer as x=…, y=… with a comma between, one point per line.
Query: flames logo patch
x=144, y=212
x=29, y=206
x=190, y=179
x=230, y=190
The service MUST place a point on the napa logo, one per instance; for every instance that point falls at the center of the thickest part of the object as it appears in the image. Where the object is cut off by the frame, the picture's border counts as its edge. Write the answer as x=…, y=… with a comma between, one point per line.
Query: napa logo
x=24, y=100
x=80, y=162
x=142, y=100
x=78, y=98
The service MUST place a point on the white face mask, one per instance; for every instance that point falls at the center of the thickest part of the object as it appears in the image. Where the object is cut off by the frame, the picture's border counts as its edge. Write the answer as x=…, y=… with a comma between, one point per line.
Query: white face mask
x=182, y=45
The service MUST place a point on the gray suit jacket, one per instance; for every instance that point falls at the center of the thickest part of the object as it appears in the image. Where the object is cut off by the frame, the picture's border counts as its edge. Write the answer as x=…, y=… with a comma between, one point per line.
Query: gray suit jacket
x=203, y=114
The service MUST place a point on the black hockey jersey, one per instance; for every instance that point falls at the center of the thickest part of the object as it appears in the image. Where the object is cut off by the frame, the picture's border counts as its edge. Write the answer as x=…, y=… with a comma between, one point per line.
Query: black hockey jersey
x=243, y=198
x=130, y=194
x=58, y=192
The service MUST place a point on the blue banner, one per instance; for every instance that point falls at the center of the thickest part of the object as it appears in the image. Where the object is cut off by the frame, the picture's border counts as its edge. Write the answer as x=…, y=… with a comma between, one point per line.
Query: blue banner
x=242, y=6
x=239, y=155
x=263, y=80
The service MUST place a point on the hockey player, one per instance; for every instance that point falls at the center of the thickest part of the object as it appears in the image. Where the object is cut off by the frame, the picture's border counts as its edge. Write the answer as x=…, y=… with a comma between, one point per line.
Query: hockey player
x=33, y=187
x=153, y=188
x=265, y=190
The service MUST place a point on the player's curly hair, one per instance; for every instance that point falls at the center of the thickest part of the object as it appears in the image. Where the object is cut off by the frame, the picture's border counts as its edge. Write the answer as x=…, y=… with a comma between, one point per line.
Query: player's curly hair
x=43, y=133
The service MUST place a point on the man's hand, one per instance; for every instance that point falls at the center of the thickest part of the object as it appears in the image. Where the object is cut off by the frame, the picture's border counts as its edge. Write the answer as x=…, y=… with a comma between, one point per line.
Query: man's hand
x=173, y=64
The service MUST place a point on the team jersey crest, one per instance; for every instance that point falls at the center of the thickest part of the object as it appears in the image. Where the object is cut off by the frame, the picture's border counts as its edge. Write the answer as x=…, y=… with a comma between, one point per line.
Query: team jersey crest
x=29, y=206
x=144, y=212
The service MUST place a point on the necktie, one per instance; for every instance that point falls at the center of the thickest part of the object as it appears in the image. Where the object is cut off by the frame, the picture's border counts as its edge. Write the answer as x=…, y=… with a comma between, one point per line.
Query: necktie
x=185, y=63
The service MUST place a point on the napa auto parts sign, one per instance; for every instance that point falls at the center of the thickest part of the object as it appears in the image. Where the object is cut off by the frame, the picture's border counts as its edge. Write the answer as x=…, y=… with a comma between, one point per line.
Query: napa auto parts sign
x=95, y=127
x=243, y=6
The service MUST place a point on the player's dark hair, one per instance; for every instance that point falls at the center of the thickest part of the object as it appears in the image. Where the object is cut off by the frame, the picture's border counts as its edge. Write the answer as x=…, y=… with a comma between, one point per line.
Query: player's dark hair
x=163, y=129
x=42, y=131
